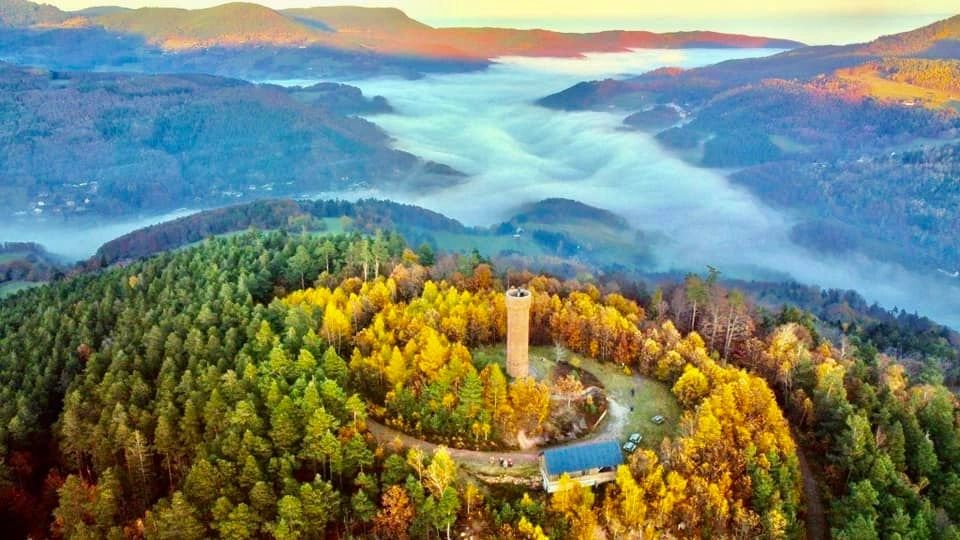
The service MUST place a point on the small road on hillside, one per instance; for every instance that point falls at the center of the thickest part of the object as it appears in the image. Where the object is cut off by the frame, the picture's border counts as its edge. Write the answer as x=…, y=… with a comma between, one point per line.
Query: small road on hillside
x=815, y=517
x=386, y=435
x=616, y=384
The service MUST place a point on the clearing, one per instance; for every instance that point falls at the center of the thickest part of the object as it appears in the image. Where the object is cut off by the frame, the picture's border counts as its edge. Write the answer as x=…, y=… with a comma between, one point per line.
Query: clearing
x=633, y=399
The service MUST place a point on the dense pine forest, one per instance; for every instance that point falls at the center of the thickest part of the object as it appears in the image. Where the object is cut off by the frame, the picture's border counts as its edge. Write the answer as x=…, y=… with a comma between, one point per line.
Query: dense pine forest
x=229, y=389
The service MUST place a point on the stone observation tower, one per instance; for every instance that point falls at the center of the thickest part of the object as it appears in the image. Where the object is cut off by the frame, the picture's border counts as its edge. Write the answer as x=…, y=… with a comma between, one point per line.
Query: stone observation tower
x=518, y=332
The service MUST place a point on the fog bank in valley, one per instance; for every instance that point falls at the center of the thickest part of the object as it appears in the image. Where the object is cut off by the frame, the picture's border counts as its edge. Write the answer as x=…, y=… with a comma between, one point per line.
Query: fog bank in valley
x=486, y=125
x=77, y=240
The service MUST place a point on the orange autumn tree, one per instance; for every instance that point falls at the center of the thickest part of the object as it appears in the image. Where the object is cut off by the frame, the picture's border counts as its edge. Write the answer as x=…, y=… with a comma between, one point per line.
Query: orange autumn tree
x=731, y=471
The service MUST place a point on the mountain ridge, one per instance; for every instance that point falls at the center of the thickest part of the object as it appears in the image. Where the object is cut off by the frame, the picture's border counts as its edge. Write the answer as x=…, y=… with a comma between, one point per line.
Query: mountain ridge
x=25, y=13
x=379, y=30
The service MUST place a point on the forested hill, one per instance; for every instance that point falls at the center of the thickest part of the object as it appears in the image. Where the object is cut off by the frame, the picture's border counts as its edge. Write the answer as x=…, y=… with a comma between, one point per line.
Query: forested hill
x=96, y=144
x=228, y=390
x=547, y=242
x=859, y=142
x=20, y=13
x=694, y=86
x=297, y=216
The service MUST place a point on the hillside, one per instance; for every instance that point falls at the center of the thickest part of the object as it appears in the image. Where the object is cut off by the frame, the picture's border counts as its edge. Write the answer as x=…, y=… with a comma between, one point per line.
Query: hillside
x=19, y=13
x=346, y=29
x=162, y=395
x=581, y=239
x=938, y=40
x=386, y=31
x=227, y=25
x=82, y=144
x=22, y=262
x=358, y=20
x=858, y=146
x=253, y=42
x=935, y=41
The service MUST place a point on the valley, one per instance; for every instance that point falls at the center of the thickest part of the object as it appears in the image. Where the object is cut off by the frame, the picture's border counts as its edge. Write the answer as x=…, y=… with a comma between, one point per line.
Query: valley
x=513, y=152
x=275, y=271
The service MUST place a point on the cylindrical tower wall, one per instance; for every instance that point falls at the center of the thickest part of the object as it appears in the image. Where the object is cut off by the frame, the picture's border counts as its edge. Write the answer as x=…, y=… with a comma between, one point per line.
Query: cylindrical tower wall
x=518, y=332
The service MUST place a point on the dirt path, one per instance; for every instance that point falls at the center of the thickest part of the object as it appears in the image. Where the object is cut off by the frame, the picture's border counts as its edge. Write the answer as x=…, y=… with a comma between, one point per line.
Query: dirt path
x=611, y=428
x=387, y=434
x=815, y=516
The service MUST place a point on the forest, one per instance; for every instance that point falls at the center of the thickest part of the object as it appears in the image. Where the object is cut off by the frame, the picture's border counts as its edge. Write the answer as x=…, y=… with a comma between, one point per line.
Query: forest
x=367, y=215
x=73, y=142
x=906, y=203
x=225, y=390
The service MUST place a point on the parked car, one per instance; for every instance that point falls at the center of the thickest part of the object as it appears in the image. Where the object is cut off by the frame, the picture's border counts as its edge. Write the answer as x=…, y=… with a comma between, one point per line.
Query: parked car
x=629, y=447
x=658, y=419
x=635, y=438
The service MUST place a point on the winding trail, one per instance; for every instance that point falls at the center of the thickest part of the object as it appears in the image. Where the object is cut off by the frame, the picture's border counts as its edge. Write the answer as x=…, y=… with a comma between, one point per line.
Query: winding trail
x=387, y=434
x=815, y=517
x=612, y=427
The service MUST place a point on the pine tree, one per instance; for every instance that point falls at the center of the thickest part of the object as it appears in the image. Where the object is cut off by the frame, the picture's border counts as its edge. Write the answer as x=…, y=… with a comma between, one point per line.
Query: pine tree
x=285, y=428
x=177, y=522
x=334, y=367
x=202, y=485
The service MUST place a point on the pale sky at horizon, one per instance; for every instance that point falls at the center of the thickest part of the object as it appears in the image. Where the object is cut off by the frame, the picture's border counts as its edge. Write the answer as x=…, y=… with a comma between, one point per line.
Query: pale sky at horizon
x=813, y=22
x=554, y=9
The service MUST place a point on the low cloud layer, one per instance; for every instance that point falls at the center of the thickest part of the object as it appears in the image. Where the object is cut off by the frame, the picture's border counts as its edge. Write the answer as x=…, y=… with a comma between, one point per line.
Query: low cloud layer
x=73, y=241
x=487, y=125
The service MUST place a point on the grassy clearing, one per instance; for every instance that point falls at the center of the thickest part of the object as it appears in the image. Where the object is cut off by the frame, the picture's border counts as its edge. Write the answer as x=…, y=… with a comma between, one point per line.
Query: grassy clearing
x=648, y=398
x=788, y=145
x=600, y=244
x=519, y=470
x=331, y=226
x=888, y=90
x=14, y=256
x=487, y=245
x=13, y=287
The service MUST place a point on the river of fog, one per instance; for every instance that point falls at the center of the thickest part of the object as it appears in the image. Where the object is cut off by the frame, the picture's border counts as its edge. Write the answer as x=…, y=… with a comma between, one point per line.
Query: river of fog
x=486, y=125
x=77, y=240
x=515, y=152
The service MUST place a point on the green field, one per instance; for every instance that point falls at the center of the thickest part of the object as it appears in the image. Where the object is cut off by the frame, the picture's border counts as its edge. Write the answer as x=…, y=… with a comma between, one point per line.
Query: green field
x=600, y=245
x=331, y=226
x=15, y=256
x=487, y=245
x=649, y=398
x=788, y=145
x=11, y=287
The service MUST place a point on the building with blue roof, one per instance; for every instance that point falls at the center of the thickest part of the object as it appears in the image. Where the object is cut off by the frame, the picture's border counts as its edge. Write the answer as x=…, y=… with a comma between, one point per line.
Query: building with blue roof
x=589, y=463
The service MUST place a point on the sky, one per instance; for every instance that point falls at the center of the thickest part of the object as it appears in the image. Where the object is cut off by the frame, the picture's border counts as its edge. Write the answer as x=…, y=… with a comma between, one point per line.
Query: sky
x=814, y=22
x=552, y=9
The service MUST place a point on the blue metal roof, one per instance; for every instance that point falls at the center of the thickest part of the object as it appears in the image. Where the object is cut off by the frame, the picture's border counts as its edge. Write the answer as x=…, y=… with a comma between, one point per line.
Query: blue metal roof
x=580, y=457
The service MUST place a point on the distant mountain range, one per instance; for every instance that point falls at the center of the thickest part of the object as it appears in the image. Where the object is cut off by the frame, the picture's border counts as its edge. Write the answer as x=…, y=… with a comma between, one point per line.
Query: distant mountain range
x=379, y=30
x=255, y=42
x=940, y=40
x=861, y=142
